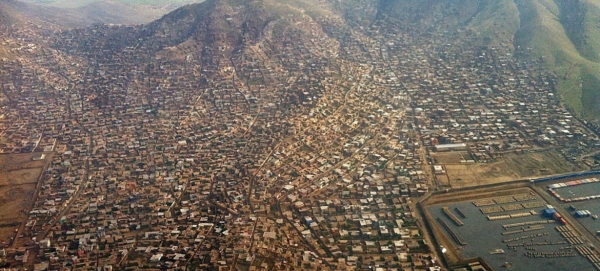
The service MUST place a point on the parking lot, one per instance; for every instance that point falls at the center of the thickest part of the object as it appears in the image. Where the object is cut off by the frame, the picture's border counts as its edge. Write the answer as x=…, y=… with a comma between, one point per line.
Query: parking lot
x=524, y=241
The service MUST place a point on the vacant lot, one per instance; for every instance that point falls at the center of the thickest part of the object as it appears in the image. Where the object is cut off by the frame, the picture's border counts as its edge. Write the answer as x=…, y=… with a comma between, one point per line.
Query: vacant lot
x=20, y=168
x=452, y=157
x=14, y=201
x=18, y=180
x=512, y=167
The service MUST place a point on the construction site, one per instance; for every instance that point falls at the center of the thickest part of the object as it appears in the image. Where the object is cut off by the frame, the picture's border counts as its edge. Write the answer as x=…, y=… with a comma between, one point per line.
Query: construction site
x=519, y=224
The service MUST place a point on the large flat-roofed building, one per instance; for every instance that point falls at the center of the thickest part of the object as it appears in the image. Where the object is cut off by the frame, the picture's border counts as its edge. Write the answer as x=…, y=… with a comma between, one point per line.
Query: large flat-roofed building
x=451, y=147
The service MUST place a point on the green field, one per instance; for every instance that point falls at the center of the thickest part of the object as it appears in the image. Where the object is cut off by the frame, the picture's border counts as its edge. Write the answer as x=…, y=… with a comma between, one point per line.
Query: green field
x=561, y=33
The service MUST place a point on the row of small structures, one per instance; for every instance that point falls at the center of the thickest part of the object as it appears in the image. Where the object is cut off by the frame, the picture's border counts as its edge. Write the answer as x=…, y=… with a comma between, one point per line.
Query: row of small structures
x=545, y=243
x=530, y=228
x=509, y=216
x=549, y=254
x=588, y=253
x=567, y=232
x=501, y=200
x=552, y=187
x=525, y=237
x=505, y=226
x=511, y=207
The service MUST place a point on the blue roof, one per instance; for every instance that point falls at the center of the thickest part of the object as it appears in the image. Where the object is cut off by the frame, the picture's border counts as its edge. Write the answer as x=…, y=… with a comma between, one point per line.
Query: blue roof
x=550, y=211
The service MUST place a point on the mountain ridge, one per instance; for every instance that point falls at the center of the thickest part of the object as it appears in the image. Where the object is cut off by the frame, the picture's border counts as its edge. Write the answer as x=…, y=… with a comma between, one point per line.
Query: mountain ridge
x=564, y=34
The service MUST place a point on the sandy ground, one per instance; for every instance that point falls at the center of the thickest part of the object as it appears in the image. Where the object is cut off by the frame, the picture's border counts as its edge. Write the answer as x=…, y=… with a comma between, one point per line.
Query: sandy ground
x=19, y=168
x=19, y=175
x=13, y=201
x=512, y=167
x=452, y=157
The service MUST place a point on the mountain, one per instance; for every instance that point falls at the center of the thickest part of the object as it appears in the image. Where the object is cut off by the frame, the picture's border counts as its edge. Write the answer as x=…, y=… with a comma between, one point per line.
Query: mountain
x=96, y=12
x=223, y=37
x=22, y=20
x=26, y=16
x=111, y=12
x=165, y=5
x=227, y=23
x=235, y=101
x=565, y=34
